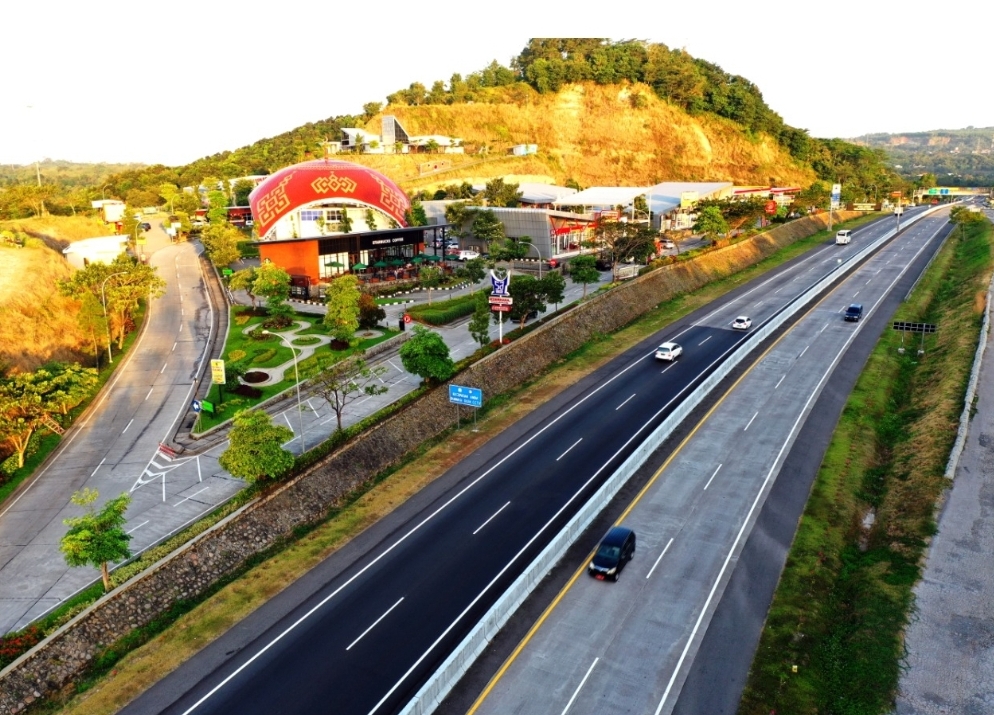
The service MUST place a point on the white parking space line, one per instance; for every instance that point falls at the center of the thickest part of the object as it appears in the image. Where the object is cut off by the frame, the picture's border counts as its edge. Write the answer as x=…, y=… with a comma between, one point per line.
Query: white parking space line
x=705, y=340
x=491, y=518
x=288, y=424
x=579, y=687
x=624, y=403
x=715, y=474
x=200, y=476
x=374, y=624
x=137, y=527
x=98, y=466
x=126, y=428
x=569, y=448
x=190, y=497
x=750, y=422
x=660, y=557
x=149, y=392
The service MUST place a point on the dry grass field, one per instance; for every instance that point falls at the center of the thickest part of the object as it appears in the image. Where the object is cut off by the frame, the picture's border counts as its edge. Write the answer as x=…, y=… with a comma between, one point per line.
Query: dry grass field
x=36, y=323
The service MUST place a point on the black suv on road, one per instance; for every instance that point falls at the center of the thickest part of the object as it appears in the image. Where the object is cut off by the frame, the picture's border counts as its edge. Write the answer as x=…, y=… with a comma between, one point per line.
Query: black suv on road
x=854, y=312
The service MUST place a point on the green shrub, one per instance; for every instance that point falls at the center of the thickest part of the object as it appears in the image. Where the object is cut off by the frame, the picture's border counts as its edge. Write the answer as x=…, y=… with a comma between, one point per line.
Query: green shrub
x=264, y=356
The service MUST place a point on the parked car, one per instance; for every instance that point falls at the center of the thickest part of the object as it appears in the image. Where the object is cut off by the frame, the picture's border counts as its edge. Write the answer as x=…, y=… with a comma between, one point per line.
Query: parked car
x=604, y=263
x=668, y=351
x=467, y=254
x=668, y=244
x=615, y=550
x=742, y=323
x=854, y=312
x=145, y=226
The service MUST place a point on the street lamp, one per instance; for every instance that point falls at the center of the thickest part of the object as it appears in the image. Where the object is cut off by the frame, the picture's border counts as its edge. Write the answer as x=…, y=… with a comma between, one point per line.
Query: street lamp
x=103, y=298
x=300, y=411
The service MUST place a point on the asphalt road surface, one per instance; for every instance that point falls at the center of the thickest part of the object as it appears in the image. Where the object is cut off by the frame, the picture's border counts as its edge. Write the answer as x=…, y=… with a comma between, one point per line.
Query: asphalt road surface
x=364, y=631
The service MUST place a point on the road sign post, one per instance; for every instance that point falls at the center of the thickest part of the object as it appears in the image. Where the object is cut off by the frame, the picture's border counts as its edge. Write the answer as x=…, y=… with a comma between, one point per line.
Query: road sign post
x=469, y=396
x=218, y=377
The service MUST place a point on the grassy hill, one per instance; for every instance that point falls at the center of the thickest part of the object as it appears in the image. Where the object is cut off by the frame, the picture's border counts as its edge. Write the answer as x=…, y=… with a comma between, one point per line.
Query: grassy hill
x=957, y=157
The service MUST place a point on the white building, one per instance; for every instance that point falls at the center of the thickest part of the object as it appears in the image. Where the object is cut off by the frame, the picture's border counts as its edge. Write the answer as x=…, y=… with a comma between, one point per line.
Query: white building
x=103, y=249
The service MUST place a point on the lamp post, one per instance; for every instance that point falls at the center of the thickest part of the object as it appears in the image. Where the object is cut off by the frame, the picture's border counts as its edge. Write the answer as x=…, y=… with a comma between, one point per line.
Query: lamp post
x=103, y=298
x=539, y=260
x=300, y=412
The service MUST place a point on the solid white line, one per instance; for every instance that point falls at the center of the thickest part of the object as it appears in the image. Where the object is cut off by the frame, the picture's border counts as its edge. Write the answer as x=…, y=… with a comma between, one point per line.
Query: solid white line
x=779, y=381
x=163, y=368
x=659, y=558
x=288, y=425
x=759, y=494
x=569, y=448
x=129, y=424
x=200, y=476
x=624, y=403
x=705, y=340
x=374, y=624
x=803, y=351
x=717, y=470
x=149, y=392
x=491, y=518
x=190, y=497
x=137, y=527
x=98, y=466
x=578, y=687
x=750, y=422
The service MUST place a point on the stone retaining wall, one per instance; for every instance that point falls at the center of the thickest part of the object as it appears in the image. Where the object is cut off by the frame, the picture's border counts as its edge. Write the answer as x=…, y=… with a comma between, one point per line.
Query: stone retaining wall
x=218, y=552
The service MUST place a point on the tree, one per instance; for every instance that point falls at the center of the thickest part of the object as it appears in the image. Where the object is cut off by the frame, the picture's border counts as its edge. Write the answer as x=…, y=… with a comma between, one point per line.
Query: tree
x=497, y=193
x=342, y=300
x=710, y=223
x=554, y=287
x=64, y=386
x=430, y=277
x=529, y=297
x=623, y=241
x=583, y=269
x=416, y=216
x=479, y=324
x=510, y=249
x=273, y=284
x=371, y=109
x=486, y=227
x=218, y=202
x=97, y=537
x=169, y=192
x=474, y=270
x=244, y=280
x=370, y=314
x=241, y=191
x=256, y=447
x=92, y=322
x=21, y=412
x=427, y=356
x=221, y=243
x=348, y=380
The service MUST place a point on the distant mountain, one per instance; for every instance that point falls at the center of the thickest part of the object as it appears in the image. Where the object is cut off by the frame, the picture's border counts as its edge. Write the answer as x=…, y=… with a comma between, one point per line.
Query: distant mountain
x=957, y=157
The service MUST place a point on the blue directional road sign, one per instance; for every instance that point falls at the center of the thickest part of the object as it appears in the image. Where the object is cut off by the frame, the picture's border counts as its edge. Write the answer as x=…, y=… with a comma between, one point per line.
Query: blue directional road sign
x=195, y=405
x=469, y=396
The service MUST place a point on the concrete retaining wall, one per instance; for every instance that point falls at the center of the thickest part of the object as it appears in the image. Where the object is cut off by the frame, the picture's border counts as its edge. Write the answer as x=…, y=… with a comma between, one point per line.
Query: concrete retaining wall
x=224, y=548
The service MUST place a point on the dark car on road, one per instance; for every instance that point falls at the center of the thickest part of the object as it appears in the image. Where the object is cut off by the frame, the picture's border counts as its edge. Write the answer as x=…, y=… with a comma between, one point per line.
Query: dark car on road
x=854, y=312
x=604, y=263
x=616, y=549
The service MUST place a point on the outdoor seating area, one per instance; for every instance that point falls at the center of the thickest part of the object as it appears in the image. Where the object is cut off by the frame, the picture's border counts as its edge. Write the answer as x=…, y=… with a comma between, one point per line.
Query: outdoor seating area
x=394, y=270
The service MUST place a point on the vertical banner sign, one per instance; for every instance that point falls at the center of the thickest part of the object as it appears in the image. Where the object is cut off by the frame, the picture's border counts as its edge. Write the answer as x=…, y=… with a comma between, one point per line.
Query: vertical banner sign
x=836, y=196
x=498, y=284
x=217, y=372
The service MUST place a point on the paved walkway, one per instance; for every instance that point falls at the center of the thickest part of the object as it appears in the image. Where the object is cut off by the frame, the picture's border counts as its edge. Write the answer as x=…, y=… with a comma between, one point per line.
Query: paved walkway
x=950, y=643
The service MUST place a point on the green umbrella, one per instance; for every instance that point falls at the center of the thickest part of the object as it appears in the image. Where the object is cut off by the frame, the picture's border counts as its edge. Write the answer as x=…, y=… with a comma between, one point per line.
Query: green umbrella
x=359, y=267
x=334, y=264
x=433, y=258
x=380, y=264
x=395, y=262
x=452, y=257
x=417, y=259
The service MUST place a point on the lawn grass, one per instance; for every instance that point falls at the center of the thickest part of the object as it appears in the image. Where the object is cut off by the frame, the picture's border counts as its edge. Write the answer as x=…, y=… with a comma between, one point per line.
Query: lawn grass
x=846, y=590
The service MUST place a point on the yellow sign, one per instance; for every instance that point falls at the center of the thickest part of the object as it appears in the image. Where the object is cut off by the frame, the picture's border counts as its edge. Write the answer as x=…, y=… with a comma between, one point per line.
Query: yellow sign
x=217, y=372
x=688, y=199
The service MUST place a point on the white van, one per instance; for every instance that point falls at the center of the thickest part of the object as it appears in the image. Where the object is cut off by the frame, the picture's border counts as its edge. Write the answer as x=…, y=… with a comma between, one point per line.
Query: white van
x=842, y=238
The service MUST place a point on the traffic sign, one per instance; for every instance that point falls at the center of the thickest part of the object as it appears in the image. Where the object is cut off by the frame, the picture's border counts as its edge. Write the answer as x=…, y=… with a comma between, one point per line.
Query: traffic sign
x=914, y=327
x=207, y=406
x=501, y=300
x=469, y=396
x=500, y=308
x=195, y=405
x=217, y=372
x=407, y=318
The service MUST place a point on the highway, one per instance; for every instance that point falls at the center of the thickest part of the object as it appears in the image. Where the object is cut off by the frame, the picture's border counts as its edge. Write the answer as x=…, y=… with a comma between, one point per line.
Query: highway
x=365, y=630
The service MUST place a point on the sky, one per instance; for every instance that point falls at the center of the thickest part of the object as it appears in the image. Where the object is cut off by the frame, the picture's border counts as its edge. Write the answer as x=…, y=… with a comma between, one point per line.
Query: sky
x=114, y=81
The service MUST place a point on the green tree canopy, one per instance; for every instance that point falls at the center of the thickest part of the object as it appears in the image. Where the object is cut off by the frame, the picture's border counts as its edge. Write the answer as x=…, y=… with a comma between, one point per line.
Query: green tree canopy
x=273, y=284
x=427, y=356
x=255, y=448
x=346, y=381
x=479, y=324
x=710, y=223
x=244, y=280
x=583, y=270
x=430, y=277
x=97, y=537
x=486, y=227
x=221, y=243
x=342, y=301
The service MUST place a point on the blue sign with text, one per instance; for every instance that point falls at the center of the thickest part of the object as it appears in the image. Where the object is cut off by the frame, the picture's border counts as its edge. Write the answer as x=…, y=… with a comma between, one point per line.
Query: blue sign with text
x=469, y=396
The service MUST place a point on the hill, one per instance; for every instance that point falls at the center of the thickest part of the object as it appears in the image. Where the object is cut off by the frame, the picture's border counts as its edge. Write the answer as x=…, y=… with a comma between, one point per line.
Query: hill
x=956, y=157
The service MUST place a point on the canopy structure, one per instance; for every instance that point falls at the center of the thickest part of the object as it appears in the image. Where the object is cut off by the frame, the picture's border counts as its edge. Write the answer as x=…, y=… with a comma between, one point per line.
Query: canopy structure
x=662, y=198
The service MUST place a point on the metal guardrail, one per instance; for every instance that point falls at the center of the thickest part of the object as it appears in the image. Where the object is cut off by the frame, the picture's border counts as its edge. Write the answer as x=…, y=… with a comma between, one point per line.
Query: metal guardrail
x=445, y=677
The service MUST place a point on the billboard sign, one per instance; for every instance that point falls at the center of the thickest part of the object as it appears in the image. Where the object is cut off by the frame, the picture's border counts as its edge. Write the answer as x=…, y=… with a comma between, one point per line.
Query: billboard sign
x=688, y=199
x=468, y=396
x=498, y=283
x=217, y=372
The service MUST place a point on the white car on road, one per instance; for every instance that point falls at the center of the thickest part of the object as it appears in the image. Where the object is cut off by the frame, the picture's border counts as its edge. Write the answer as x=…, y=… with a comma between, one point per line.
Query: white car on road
x=741, y=323
x=668, y=352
